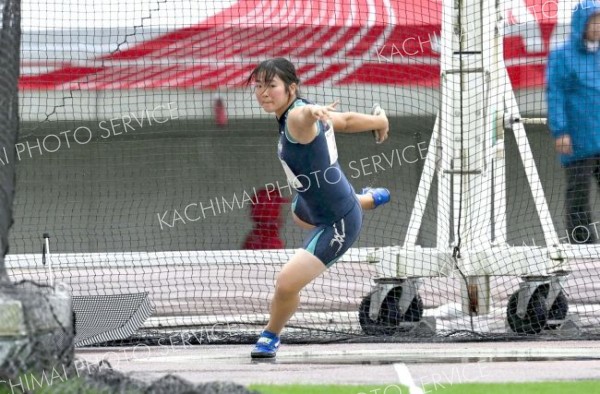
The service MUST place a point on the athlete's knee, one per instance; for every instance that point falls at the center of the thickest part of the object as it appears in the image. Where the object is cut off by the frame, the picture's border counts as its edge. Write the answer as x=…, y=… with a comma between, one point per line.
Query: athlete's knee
x=286, y=286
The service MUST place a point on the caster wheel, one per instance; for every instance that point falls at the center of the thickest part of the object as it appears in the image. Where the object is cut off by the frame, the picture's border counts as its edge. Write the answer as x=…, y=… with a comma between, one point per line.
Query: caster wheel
x=534, y=320
x=559, y=308
x=389, y=317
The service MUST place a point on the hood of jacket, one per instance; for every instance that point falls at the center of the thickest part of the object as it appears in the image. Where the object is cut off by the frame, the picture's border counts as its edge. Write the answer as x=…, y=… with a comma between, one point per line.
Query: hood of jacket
x=581, y=15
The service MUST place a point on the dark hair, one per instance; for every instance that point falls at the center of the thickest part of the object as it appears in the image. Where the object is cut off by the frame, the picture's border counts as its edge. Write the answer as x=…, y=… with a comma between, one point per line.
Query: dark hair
x=278, y=66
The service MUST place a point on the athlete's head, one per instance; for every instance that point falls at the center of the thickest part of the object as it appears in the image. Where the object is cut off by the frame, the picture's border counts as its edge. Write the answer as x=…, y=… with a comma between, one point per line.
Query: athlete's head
x=275, y=84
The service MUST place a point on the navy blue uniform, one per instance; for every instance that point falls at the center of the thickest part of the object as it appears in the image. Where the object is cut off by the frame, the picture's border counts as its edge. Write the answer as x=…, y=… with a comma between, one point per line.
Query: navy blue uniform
x=325, y=198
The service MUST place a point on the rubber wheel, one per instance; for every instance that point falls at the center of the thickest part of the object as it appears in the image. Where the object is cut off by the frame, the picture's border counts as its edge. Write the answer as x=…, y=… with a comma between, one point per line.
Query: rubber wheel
x=389, y=315
x=535, y=318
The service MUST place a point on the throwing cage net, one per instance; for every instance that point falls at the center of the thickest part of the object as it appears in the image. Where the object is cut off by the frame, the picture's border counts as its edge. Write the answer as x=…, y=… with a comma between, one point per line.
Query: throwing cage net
x=34, y=332
x=146, y=160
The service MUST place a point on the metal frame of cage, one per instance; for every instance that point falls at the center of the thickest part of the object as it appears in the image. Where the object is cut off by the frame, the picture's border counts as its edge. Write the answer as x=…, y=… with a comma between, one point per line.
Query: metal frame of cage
x=467, y=153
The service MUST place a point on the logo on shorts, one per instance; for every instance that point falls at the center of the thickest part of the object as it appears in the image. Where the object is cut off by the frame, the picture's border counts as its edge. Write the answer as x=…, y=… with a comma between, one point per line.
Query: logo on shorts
x=338, y=237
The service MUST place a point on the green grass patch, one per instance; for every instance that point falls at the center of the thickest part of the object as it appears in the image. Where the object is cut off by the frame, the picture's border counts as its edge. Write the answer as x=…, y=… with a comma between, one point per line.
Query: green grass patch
x=564, y=387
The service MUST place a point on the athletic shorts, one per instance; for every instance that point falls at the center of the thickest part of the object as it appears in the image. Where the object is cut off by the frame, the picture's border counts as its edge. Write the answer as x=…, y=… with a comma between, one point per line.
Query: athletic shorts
x=328, y=242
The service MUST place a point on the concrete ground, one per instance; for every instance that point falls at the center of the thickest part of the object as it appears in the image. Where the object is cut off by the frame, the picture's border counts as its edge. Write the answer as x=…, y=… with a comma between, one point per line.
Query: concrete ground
x=413, y=364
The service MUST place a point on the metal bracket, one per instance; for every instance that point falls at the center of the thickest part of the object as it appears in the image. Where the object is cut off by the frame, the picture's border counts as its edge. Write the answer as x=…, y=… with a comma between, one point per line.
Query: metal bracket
x=384, y=286
x=530, y=285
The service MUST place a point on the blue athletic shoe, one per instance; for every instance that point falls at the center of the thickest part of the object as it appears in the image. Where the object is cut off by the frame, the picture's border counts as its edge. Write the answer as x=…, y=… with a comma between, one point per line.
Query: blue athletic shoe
x=266, y=346
x=381, y=195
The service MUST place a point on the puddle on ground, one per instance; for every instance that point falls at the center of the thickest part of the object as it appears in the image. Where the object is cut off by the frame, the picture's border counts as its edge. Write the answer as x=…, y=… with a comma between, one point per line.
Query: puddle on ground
x=358, y=360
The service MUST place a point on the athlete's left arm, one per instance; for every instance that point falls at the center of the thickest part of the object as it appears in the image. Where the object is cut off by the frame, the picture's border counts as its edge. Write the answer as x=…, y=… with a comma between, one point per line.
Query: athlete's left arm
x=354, y=122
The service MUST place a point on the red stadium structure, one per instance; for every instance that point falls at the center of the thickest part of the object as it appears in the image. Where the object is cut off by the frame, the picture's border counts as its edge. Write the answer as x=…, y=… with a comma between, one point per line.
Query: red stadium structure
x=335, y=42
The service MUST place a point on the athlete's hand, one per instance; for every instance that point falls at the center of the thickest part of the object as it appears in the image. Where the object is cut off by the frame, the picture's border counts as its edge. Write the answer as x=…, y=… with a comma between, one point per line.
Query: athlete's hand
x=381, y=134
x=563, y=145
x=322, y=112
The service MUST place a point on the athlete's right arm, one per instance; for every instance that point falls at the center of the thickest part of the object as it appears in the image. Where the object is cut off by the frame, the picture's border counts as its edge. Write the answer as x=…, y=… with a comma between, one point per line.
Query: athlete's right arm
x=302, y=121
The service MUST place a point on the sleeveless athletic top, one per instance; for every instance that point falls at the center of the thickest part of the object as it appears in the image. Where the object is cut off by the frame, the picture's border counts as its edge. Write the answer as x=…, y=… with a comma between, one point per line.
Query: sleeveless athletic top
x=313, y=170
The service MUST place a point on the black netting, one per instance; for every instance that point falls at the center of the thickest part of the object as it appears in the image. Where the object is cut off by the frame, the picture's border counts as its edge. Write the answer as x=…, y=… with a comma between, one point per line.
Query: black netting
x=35, y=321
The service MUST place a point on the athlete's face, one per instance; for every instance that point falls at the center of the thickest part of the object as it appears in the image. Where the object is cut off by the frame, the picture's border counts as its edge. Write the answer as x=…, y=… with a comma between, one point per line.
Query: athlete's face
x=272, y=96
